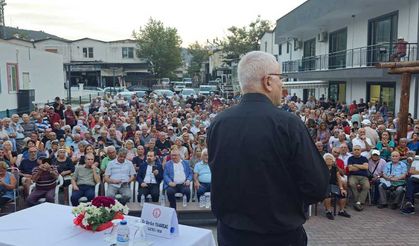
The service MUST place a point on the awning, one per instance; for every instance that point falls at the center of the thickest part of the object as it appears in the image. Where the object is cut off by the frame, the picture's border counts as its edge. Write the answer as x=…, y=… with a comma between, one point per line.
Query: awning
x=306, y=84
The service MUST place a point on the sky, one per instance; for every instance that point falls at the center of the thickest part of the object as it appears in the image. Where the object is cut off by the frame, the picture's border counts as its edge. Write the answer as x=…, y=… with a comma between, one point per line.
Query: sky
x=107, y=20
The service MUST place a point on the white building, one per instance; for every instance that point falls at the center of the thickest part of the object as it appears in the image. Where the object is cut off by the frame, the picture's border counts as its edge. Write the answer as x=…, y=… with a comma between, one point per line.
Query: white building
x=23, y=68
x=99, y=63
x=336, y=43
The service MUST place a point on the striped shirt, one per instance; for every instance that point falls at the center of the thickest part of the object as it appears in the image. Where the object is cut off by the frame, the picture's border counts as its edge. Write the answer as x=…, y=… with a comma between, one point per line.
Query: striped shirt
x=45, y=181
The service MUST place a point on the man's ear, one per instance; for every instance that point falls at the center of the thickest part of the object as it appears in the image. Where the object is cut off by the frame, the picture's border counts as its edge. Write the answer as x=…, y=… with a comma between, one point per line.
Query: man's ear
x=267, y=84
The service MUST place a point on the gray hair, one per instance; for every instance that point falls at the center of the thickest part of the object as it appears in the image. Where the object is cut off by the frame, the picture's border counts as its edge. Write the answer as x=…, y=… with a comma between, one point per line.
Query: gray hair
x=329, y=155
x=122, y=151
x=252, y=67
x=112, y=148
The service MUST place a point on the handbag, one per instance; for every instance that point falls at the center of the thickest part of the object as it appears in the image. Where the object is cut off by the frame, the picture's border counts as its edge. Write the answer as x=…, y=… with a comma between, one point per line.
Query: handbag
x=371, y=175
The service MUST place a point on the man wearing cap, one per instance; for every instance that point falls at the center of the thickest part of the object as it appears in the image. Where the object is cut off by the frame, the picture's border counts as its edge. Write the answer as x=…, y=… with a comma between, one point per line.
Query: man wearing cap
x=370, y=133
x=375, y=171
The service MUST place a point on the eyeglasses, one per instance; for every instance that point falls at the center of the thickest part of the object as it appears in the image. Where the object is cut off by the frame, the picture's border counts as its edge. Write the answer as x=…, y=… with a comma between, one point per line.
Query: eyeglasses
x=280, y=75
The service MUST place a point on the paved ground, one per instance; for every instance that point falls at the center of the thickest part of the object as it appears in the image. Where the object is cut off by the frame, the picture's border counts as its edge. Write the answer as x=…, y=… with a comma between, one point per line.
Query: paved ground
x=373, y=226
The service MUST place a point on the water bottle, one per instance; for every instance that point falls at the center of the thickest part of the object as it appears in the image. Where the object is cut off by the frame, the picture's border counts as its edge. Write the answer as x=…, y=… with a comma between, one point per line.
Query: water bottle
x=162, y=201
x=207, y=201
x=142, y=200
x=202, y=201
x=122, y=236
x=185, y=202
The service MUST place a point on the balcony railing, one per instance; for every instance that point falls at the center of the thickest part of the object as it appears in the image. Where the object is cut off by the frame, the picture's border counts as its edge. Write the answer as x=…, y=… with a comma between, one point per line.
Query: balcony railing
x=354, y=58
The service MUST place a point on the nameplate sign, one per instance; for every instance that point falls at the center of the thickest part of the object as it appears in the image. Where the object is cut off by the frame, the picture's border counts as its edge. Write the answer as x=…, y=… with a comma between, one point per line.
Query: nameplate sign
x=160, y=221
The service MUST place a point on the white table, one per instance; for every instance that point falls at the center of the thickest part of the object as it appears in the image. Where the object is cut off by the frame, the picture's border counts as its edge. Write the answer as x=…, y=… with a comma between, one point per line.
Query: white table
x=52, y=224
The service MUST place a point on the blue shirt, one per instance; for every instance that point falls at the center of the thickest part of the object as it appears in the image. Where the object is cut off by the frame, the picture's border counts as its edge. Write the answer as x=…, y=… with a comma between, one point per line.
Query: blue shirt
x=203, y=171
x=395, y=169
x=358, y=160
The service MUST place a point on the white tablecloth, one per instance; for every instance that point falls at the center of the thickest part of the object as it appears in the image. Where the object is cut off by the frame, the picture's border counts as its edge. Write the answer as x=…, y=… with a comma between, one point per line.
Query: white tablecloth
x=51, y=224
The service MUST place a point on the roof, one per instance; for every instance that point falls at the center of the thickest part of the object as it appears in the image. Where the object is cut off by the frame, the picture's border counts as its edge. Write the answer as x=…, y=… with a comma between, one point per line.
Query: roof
x=23, y=34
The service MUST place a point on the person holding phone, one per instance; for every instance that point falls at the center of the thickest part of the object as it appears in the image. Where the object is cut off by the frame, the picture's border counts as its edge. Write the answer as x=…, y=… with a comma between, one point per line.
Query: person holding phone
x=149, y=177
x=45, y=176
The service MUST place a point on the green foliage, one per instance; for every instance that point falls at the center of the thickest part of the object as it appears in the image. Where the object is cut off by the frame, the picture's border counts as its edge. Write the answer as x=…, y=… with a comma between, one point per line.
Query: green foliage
x=199, y=55
x=161, y=46
x=241, y=40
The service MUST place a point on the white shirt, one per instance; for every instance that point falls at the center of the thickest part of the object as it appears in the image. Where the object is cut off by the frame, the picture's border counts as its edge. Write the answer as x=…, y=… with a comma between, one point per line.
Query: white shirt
x=345, y=158
x=179, y=173
x=415, y=164
x=149, y=177
x=358, y=141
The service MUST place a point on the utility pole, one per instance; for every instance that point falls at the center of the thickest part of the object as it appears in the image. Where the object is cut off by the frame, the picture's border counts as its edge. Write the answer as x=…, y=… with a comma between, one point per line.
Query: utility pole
x=2, y=23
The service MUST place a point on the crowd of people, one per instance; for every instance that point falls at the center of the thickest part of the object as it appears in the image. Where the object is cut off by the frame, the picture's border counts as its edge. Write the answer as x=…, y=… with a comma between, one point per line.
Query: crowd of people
x=114, y=142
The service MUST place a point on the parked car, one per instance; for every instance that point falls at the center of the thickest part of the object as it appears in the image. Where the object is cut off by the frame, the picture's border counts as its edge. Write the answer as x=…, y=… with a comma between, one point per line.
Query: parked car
x=207, y=90
x=158, y=93
x=178, y=86
x=138, y=88
x=140, y=95
x=165, y=81
x=187, y=82
x=114, y=90
x=126, y=94
x=187, y=92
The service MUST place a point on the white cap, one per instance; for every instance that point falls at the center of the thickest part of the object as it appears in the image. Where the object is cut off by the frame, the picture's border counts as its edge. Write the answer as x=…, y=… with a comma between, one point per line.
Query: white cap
x=366, y=122
x=375, y=152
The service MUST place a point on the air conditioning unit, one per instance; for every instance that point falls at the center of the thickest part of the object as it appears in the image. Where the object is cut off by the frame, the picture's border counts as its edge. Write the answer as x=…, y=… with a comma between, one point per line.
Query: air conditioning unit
x=322, y=37
x=297, y=44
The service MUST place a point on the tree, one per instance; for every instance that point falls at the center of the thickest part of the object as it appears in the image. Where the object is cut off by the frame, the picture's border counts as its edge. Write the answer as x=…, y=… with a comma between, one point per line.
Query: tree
x=199, y=55
x=244, y=39
x=161, y=46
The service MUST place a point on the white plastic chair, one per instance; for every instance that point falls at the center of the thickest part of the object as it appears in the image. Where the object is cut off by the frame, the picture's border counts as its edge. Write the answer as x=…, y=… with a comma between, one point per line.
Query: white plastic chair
x=60, y=182
x=83, y=198
x=137, y=187
x=117, y=196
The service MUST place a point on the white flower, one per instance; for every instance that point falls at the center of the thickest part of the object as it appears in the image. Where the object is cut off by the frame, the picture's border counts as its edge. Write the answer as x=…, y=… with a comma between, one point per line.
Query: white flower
x=84, y=222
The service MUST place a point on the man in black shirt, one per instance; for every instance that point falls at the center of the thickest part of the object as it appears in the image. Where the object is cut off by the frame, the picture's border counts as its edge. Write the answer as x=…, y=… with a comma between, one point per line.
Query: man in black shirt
x=358, y=177
x=262, y=179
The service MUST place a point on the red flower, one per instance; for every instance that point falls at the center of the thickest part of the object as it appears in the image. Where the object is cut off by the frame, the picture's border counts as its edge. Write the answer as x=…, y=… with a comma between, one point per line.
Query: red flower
x=103, y=201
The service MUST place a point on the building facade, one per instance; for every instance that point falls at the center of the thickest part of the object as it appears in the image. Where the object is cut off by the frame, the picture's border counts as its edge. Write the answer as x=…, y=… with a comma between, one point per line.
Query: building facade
x=331, y=47
x=98, y=63
x=25, y=68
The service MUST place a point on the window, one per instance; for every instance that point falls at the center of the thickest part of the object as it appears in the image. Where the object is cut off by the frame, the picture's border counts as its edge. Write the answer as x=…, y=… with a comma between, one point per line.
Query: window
x=12, y=77
x=88, y=52
x=288, y=47
x=280, y=49
x=51, y=50
x=127, y=52
x=266, y=46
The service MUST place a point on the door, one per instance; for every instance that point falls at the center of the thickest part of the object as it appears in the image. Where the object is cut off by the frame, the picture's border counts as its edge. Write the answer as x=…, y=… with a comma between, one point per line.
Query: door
x=337, y=91
x=382, y=92
x=308, y=55
x=337, y=49
x=382, y=33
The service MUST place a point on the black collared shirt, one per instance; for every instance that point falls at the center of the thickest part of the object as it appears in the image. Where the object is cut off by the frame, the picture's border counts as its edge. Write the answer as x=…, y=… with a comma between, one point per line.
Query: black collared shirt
x=264, y=167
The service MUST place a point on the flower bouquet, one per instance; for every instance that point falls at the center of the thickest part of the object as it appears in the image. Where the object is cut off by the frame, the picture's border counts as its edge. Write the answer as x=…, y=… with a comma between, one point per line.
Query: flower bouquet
x=98, y=214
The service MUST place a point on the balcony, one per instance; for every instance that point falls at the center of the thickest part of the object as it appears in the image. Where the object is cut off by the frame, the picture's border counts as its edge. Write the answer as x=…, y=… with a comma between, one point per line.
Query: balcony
x=354, y=58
